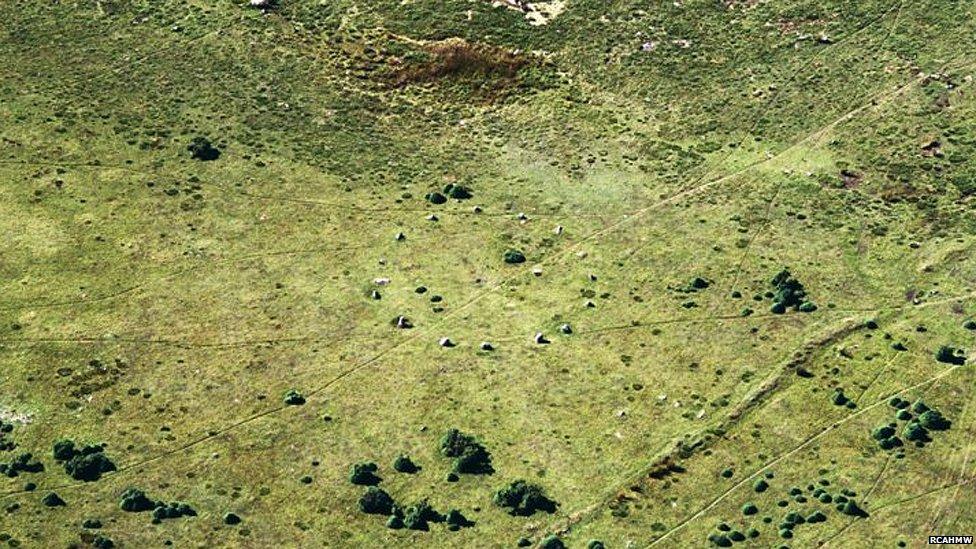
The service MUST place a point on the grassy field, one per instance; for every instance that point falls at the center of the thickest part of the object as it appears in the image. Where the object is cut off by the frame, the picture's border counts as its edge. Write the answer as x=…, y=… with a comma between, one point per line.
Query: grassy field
x=656, y=164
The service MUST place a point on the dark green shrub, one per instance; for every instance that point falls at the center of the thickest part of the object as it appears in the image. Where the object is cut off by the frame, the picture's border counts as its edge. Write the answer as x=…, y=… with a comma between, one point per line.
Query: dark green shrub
x=883, y=432
x=736, y=535
x=364, y=474
x=807, y=307
x=294, y=398
x=950, y=355
x=231, y=519
x=920, y=407
x=789, y=293
x=403, y=464
x=64, y=450
x=471, y=457
x=457, y=192
x=752, y=533
x=760, y=486
x=933, y=420
x=749, y=509
x=903, y=415
x=523, y=499
x=552, y=542
x=23, y=463
x=727, y=473
x=720, y=540
x=53, y=500
x=595, y=544
x=839, y=398
x=375, y=501
x=102, y=542
x=914, y=432
x=417, y=516
x=890, y=443
x=173, y=510
x=394, y=522
x=202, y=149
x=513, y=257
x=89, y=467
x=816, y=517
x=851, y=509
x=455, y=518
x=134, y=500
x=436, y=198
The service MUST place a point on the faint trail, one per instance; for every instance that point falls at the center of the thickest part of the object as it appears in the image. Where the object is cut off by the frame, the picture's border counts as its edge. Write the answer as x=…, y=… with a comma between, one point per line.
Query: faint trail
x=828, y=429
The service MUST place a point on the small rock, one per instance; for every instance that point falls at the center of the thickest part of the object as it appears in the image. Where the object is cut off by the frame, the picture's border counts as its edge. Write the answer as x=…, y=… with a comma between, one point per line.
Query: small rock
x=446, y=342
x=375, y=295
x=522, y=217
x=540, y=338
x=558, y=229
x=590, y=305
x=566, y=329
x=231, y=519
x=381, y=281
x=486, y=346
x=400, y=237
x=537, y=271
x=431, y=217
x=477, y=209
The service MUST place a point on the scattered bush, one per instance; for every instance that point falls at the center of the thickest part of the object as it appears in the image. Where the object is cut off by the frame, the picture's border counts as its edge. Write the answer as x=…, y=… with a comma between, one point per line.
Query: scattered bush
x=552, y=542
x=24, y=463
x=523, y=499
x=457, y=192
x=851, y=509
x=455, y=520
x=436, y=198
x=87, y=463
x=513, y=257
x=134, y=500
x=934, y=420
x=417, y=516
x=914, y=432
x=789, y=293
x=394, y=522
x=231, y=519
x=294, y=398
x=375, y=501
x=202, y=149
x=749, y=509
x=403, y=464
x=470, y=456
x=950, y=355
x=760, y=486
x=595, y=544
x=173, y=510
x=53, y=500
x=883, y=432
x=364, y=474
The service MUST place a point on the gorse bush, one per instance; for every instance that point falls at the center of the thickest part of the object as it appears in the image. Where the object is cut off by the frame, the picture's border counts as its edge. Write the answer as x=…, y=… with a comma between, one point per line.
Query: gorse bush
x=364, y=474
x=375, y=501
x=23, y=463
x=950, y=355
x=417, y=516
x=470, y=456
x=789, y=293
x=87, y=463
x=135, y=500
x=202, y=149
x=523, y=499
